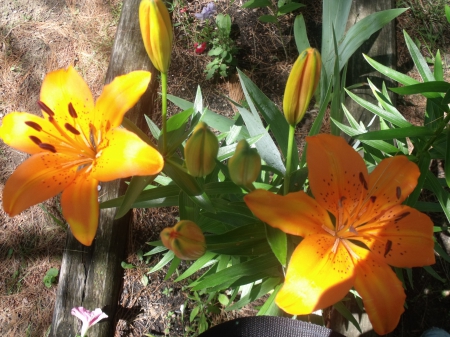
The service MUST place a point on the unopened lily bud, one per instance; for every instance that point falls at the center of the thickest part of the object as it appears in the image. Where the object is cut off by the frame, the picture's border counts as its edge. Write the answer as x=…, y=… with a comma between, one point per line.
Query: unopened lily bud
x=201, y=151
x=157, y=33
x=185, y=239
x=245, y=165
x=301, y=85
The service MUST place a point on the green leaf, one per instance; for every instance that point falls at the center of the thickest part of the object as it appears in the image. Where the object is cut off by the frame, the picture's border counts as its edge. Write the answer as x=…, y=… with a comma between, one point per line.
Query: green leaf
x=442, y=253
x=134, y=190
x=290, y=7
x=419, y=60
x=259, y=265
x=391, y=73
x=188, y=184
x=127, y=265
x=425, y=89
x=447, y=159
x=424, y=165
x=362, y=30
x=268, y=19
x=432, y=184
x=344, y=311
x=301, y=38
x=447, y=13
x=257, y=291
x=215, y=121
x=335, y=15
x=278, y=243
x=160, y=194
x=247, y=240
x=215, y=51
x=433, y=273
x=224, y=23
x=50, y=277
x=176, y=130
x=377, y=144
x=257, y=4
x=165, y=260
x=194, y=313
x=223, y=299
x=200, y=263
x=411, y=131
x=270, y=308
x=271, y=114
x=396, y=119
x=438, y=69
x=266, y=147
x=155, y=131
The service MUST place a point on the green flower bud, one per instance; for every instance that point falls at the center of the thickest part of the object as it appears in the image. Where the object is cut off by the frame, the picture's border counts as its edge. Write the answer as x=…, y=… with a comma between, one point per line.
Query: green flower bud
x=201, y=151
x=301, y=85
x=245, y=165
x=185, y=239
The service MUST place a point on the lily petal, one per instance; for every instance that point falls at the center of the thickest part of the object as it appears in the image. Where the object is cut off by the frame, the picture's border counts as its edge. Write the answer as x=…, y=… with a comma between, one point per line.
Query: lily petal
x=316, y=277
x=337, y=174
x=123, y=154
x=403, y=237
x=22, y=131
x=38, y=178
x=63, y=87
x=295, y=213
x=391, y=182
x=79, y=202
x=382, y=292
x=118, y=97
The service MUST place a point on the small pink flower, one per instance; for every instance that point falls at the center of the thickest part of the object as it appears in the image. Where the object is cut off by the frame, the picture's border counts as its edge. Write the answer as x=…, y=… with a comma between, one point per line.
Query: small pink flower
x=200, y=48
x=89, y=318
x=183, y=10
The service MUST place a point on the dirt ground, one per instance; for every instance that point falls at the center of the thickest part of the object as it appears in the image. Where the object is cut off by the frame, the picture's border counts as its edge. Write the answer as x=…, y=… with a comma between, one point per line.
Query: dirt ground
x=43, y=35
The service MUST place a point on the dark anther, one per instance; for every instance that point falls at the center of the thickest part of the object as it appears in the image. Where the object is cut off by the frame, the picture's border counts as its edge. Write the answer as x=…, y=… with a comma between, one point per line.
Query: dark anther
x=373, y=198
x=341, y=201
x=92, y=133
x=71, y=129
x=398, y=192
x=72, y=111
x=401, y=216
x=388, y=247
x=35, y=140
x=363, y=180
x=34, y=125
x=45, y=108
x=47, y=147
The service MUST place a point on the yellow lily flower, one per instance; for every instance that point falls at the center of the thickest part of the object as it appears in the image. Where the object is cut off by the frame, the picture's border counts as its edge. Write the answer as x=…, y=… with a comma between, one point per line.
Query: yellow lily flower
x=76, y=145
x=354, y=230
x=157, y=33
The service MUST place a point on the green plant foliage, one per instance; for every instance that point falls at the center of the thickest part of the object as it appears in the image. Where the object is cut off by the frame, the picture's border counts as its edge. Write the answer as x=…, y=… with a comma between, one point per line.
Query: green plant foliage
x=50, y=277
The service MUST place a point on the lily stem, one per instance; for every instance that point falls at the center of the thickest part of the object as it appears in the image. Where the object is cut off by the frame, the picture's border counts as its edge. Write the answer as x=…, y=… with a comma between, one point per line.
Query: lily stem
x=287, y=177
x=164, y=109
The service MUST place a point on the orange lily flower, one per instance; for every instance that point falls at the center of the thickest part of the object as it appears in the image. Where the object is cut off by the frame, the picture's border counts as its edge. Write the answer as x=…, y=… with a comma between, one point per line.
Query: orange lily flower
x=353, y=231
x=76, y=145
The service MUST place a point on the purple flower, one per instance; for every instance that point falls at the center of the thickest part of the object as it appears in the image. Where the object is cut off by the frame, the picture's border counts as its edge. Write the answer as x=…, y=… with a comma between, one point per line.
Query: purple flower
x=208, y=11
x=89, y=318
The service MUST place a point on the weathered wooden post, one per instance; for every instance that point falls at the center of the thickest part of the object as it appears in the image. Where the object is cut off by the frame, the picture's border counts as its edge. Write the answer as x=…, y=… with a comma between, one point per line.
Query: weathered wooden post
x=91, y=276
x=381, y=47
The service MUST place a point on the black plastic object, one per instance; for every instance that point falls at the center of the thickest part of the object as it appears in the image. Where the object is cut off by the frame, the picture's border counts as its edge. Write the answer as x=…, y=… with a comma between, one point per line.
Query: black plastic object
x=268, y=326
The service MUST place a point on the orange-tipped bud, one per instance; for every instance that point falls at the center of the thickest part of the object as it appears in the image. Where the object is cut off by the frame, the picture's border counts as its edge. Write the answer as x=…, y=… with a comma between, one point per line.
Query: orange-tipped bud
x=157, y=33
x=301, y=85
x=185, y=239
x=201, y=151
x=245, y=165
